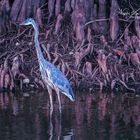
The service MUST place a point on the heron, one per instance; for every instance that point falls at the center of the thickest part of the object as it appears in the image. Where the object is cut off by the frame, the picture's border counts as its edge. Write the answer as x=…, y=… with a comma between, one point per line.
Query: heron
x=52, y=77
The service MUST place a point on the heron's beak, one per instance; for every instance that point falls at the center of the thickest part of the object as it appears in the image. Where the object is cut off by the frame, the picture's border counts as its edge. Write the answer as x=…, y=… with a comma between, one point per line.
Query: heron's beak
x=22, y=23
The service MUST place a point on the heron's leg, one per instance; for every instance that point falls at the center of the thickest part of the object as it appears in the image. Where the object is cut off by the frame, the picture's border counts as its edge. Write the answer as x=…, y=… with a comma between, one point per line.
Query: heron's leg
x=50, y=95
x=59, y=100
x=51, y=126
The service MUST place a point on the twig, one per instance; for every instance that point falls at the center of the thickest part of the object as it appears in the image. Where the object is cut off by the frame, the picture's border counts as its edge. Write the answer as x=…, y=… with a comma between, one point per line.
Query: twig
x=97, y=20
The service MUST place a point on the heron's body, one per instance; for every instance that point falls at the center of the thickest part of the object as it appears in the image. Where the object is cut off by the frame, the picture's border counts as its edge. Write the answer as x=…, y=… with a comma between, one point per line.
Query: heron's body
x=52, y=77
x=56, y=79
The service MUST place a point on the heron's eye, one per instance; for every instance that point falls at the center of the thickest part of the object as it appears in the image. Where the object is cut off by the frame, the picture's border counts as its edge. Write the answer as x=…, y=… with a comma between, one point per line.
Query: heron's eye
x=66, y=86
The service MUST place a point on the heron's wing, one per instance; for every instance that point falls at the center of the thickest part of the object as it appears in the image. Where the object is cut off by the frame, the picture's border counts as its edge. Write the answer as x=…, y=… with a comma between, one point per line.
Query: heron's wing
x=56, y=73
x=59, y=79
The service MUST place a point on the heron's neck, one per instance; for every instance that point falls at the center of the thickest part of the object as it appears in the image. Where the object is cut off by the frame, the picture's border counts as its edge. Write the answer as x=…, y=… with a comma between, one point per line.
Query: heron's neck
x=37, y=46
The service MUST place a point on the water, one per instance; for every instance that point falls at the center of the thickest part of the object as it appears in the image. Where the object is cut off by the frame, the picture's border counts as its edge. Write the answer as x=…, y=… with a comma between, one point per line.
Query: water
x=94, y=116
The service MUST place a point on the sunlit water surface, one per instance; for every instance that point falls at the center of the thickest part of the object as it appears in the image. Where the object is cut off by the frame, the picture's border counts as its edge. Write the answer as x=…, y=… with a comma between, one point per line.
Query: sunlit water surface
x=96, y=116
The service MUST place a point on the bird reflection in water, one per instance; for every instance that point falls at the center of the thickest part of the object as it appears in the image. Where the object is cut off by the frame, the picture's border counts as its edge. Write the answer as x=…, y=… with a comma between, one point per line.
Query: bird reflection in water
x=56, y=128
x=59, y=123
x=96, y=116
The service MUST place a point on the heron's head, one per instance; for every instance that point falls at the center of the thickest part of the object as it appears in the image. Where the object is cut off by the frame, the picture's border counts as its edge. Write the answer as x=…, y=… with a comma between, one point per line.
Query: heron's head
x=28, y=21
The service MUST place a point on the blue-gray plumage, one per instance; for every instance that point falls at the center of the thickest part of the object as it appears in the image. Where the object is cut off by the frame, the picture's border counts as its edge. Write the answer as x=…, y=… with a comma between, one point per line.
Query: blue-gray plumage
x=51, y=75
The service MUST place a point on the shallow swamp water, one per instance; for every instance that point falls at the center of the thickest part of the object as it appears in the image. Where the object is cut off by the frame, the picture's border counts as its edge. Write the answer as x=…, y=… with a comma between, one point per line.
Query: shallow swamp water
x=93, y=116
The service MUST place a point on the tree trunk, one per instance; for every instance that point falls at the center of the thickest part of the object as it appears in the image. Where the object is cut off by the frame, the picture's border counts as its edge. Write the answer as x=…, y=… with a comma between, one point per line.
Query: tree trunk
x=25, y=9
x=89, y=31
